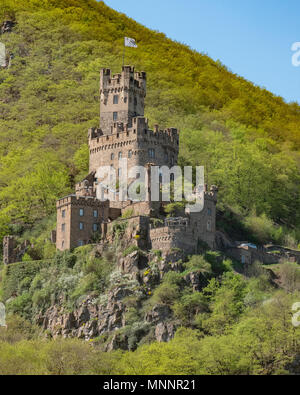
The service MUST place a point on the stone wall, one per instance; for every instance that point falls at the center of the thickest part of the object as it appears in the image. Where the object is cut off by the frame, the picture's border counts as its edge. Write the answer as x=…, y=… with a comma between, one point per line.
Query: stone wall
x=166, y=239
x=12, y=252
x=134, y=144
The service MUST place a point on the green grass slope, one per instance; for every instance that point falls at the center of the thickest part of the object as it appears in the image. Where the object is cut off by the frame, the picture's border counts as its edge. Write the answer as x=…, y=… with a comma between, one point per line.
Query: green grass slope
x=247, y=138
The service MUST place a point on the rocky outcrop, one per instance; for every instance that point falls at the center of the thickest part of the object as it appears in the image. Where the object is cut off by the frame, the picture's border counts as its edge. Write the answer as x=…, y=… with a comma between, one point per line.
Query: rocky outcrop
x=161, y=316
x=105, y=318
x=164, y=332
x=133, y=263
x=197, y=280
x=90, y=320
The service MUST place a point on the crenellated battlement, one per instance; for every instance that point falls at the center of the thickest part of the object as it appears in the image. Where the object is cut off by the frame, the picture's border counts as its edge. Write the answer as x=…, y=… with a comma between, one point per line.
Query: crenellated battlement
x=127, y=80
x=139, y=132
x=85, y=201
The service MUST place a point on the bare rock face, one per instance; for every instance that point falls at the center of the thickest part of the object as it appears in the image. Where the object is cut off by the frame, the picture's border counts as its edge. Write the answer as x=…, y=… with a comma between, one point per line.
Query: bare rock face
x=89, y=320
x=196, y=280
x=133, y=263
x=159, y=313
x=160, y=316
x=164, y=332
x=117, y=343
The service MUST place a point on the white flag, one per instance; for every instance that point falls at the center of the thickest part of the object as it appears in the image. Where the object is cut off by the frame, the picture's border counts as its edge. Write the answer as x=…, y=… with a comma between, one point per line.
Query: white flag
x=130, y=42
x=2, y=55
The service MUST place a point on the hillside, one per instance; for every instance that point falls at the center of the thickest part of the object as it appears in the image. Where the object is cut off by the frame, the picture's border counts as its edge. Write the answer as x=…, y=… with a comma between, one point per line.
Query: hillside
x=116, y=307
x=247, y=138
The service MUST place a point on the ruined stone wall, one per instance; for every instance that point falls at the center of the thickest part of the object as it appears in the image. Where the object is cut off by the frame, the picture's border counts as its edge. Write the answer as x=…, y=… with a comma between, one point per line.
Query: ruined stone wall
x=12, y=252
x=203, y=223
x=166, y=239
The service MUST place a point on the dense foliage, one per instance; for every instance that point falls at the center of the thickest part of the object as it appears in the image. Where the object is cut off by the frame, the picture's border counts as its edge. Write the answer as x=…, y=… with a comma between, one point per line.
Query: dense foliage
x=234, y=326
x=247, y=138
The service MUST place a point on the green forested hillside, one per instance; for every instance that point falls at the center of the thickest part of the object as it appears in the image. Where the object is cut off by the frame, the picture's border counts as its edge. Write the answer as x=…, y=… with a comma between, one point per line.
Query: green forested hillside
x=247, y=138
x=249, y=142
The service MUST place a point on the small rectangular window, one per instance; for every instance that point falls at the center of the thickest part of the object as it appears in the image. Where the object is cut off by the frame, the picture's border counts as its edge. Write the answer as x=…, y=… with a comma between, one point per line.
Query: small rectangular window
x=209, y=212
x=63, y=214
x=63, y=227
x=116, y=99
x=81, y=212
x=80, y=243
x=115, y=116
x=151, y=153
x=209, y=227
x=95, y=213
x=81, y=225
x=95, y=227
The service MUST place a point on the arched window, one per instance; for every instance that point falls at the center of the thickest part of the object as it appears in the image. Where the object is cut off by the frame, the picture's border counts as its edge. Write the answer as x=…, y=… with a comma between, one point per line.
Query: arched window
x=112, y=156
x=120, y=155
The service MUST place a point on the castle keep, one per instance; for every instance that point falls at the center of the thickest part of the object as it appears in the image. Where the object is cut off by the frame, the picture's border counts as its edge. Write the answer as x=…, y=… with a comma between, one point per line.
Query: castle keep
x=124, y=133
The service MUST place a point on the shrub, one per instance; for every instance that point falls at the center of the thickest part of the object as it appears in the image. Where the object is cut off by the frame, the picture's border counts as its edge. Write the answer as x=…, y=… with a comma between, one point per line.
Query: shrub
x=197, y=263
x=127, y=214
x=289, y=274
x=262, y=229
x=130, y=250
x=190, y=305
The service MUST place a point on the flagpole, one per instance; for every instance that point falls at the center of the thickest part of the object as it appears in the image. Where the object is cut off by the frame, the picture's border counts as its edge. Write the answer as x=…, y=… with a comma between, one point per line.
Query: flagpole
x=124, y=52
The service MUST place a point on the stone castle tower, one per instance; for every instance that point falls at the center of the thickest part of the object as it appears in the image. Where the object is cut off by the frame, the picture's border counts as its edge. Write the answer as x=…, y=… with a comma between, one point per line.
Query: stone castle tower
x=124, y=131
x=121, y=97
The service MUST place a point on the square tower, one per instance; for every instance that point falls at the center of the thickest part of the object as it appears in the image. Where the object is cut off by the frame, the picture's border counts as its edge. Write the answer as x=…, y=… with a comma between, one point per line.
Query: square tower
x=121, y=97
x=79, y=219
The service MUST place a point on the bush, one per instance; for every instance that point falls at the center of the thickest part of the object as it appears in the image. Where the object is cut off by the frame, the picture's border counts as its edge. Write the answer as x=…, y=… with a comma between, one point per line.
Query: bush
x=130, y=250
x=218, y=264
x=262, y=229
x=188, y=306
x=197, y=263
x=127, y=214
x=289, y=274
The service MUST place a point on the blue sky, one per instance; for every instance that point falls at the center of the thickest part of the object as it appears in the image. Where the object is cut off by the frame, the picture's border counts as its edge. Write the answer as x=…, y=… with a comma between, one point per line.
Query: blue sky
x=251, y=37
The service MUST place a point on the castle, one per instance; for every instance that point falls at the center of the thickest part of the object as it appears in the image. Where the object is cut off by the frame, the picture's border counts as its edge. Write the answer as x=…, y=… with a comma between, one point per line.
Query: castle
x=124, y=133
x=87, y=218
